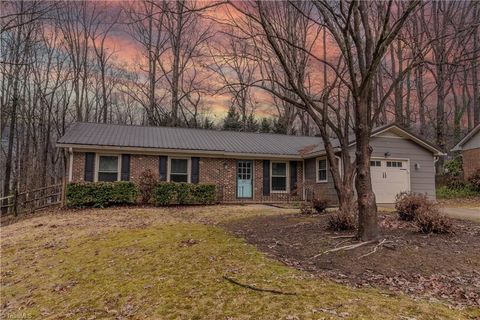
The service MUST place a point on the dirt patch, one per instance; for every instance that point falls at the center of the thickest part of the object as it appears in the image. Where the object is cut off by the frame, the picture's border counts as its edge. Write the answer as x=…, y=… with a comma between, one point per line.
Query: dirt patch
x=444, y=267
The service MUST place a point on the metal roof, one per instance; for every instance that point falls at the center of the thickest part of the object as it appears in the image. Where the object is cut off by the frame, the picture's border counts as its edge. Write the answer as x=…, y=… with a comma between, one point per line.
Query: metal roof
x=98, y=134
x=230, y=142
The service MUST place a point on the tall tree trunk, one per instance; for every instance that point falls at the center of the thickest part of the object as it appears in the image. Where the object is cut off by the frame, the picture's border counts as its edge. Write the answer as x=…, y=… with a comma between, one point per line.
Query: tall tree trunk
x=421, y=100
x=367, y=207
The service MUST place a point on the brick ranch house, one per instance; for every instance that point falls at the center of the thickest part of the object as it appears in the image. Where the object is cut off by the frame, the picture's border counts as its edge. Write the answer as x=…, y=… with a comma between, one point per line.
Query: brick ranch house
x=470, y=148
x=246, y=167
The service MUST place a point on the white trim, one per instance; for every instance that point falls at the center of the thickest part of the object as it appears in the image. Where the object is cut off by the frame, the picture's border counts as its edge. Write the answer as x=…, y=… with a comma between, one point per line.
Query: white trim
x=287, y=180
x=471, y=134
x=70, y=165
x=180, y=152
x=304, y=191
x=189, y=167
x=317, y=167
x=97, y=164
x=411, y=137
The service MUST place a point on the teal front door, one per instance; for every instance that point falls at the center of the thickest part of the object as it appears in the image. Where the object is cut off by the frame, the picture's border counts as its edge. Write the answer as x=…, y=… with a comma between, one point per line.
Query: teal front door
x=244, y=179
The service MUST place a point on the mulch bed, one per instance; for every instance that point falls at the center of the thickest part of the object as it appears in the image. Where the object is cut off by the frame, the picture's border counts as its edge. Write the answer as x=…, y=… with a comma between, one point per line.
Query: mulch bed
x=438, y=267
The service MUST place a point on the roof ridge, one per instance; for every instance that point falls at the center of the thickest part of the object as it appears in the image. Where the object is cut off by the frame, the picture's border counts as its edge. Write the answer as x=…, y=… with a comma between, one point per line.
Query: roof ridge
x=192, y=129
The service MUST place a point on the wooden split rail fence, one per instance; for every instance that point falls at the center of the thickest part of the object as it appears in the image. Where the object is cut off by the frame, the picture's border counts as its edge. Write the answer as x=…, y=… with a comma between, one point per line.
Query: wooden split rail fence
x=32, y=200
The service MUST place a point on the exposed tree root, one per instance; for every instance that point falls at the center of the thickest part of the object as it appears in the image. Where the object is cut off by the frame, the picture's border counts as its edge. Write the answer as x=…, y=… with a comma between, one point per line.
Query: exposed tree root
x=258, y=289
x=375, y=248
x=348, y=236
x=349, y=247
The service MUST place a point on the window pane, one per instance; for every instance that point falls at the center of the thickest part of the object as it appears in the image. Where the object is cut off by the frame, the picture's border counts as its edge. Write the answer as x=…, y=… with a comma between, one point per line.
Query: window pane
x=279, y=169
x=107, y=176
x=322, y=164
x=279, y=183
x=322, y=175
x=179, y=166
x=179, y=178
x=108, y=164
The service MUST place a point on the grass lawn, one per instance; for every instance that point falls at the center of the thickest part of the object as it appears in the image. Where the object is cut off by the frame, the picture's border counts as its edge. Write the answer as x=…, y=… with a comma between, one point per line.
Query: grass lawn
x=169, y=263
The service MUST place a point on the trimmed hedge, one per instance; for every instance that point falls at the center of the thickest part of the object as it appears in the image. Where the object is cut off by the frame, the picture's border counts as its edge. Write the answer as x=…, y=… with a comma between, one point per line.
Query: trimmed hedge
x=101, y=194
x=171, y=193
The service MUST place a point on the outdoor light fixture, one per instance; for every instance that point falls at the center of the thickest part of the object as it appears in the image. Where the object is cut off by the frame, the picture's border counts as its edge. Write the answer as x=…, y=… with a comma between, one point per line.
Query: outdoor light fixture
x=387, y=154
x=417, y=165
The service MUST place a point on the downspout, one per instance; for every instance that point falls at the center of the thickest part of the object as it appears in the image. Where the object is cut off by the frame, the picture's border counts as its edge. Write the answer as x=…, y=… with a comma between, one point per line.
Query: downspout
x=303, y=181
x=435, y=160
x=70, y=164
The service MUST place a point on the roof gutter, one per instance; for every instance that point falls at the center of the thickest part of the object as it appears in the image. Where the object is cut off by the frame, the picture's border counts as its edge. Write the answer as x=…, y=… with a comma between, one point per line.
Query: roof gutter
x=158, y=151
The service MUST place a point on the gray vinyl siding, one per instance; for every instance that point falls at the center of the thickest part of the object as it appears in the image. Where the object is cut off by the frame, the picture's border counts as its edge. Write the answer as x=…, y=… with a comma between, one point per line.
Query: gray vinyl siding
x=473, y=143
x=422, y=180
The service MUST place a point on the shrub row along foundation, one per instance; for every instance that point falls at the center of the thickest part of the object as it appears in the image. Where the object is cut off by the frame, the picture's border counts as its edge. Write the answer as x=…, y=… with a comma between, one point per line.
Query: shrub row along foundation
x=104, y=194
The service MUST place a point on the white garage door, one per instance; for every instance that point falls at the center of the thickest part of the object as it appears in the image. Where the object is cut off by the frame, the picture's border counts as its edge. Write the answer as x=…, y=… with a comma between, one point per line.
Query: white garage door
x=389, y=177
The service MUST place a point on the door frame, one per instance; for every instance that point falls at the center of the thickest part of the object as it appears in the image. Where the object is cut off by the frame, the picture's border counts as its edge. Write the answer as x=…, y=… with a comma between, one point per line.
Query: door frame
x=252, y=173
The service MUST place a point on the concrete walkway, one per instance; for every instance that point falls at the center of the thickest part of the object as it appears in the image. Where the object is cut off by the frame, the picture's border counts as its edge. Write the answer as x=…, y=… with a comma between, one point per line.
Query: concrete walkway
x=462, y=213
x=472, y=214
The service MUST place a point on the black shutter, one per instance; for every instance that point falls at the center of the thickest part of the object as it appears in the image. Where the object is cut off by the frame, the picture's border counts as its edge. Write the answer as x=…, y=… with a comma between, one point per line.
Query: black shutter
x=125, y=176
x=89, y=166
x=163, y=168
x=293, y=176
x=195, y=174
x=266, y=177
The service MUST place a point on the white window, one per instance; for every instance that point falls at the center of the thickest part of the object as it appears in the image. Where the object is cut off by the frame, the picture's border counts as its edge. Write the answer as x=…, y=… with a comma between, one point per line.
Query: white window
x=108, y=168
x=279, y=177
x=375, y=163
x=394, y=164
x=322, y=170
x=179, y=170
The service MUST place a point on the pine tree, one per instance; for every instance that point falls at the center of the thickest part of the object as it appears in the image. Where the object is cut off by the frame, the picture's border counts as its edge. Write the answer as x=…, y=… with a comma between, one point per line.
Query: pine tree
x=251, y=124
x=232, y=120
x=279, y=126
x=265, y=126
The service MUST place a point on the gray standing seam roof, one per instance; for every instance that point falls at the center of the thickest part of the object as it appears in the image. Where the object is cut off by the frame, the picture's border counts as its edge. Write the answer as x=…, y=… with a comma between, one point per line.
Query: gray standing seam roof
x=98, y=134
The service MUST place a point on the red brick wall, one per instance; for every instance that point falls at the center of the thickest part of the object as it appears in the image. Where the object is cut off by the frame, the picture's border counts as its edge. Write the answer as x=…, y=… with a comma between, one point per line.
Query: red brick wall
x=78, y=168
x=140, y=163
x=471, y=161
x=218, y=171
x=223, y=172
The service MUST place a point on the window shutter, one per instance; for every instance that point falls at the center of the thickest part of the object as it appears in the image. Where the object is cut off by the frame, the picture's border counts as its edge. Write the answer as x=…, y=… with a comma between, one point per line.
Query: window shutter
x=266, y=177
x=89, y=166
x=293, y=176
x=125, y=175
x=195, y=174
x=163, y=162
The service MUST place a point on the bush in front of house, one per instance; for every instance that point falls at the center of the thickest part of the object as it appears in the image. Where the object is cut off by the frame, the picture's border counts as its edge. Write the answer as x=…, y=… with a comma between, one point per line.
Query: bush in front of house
x=466, y=191
x=430, y=220
x=474, y=181
x=171, y=193
x=408, y=203
x=146, y=185
x=101, y=194
x=320, y=205
x=342, y=221
x=306, y=208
